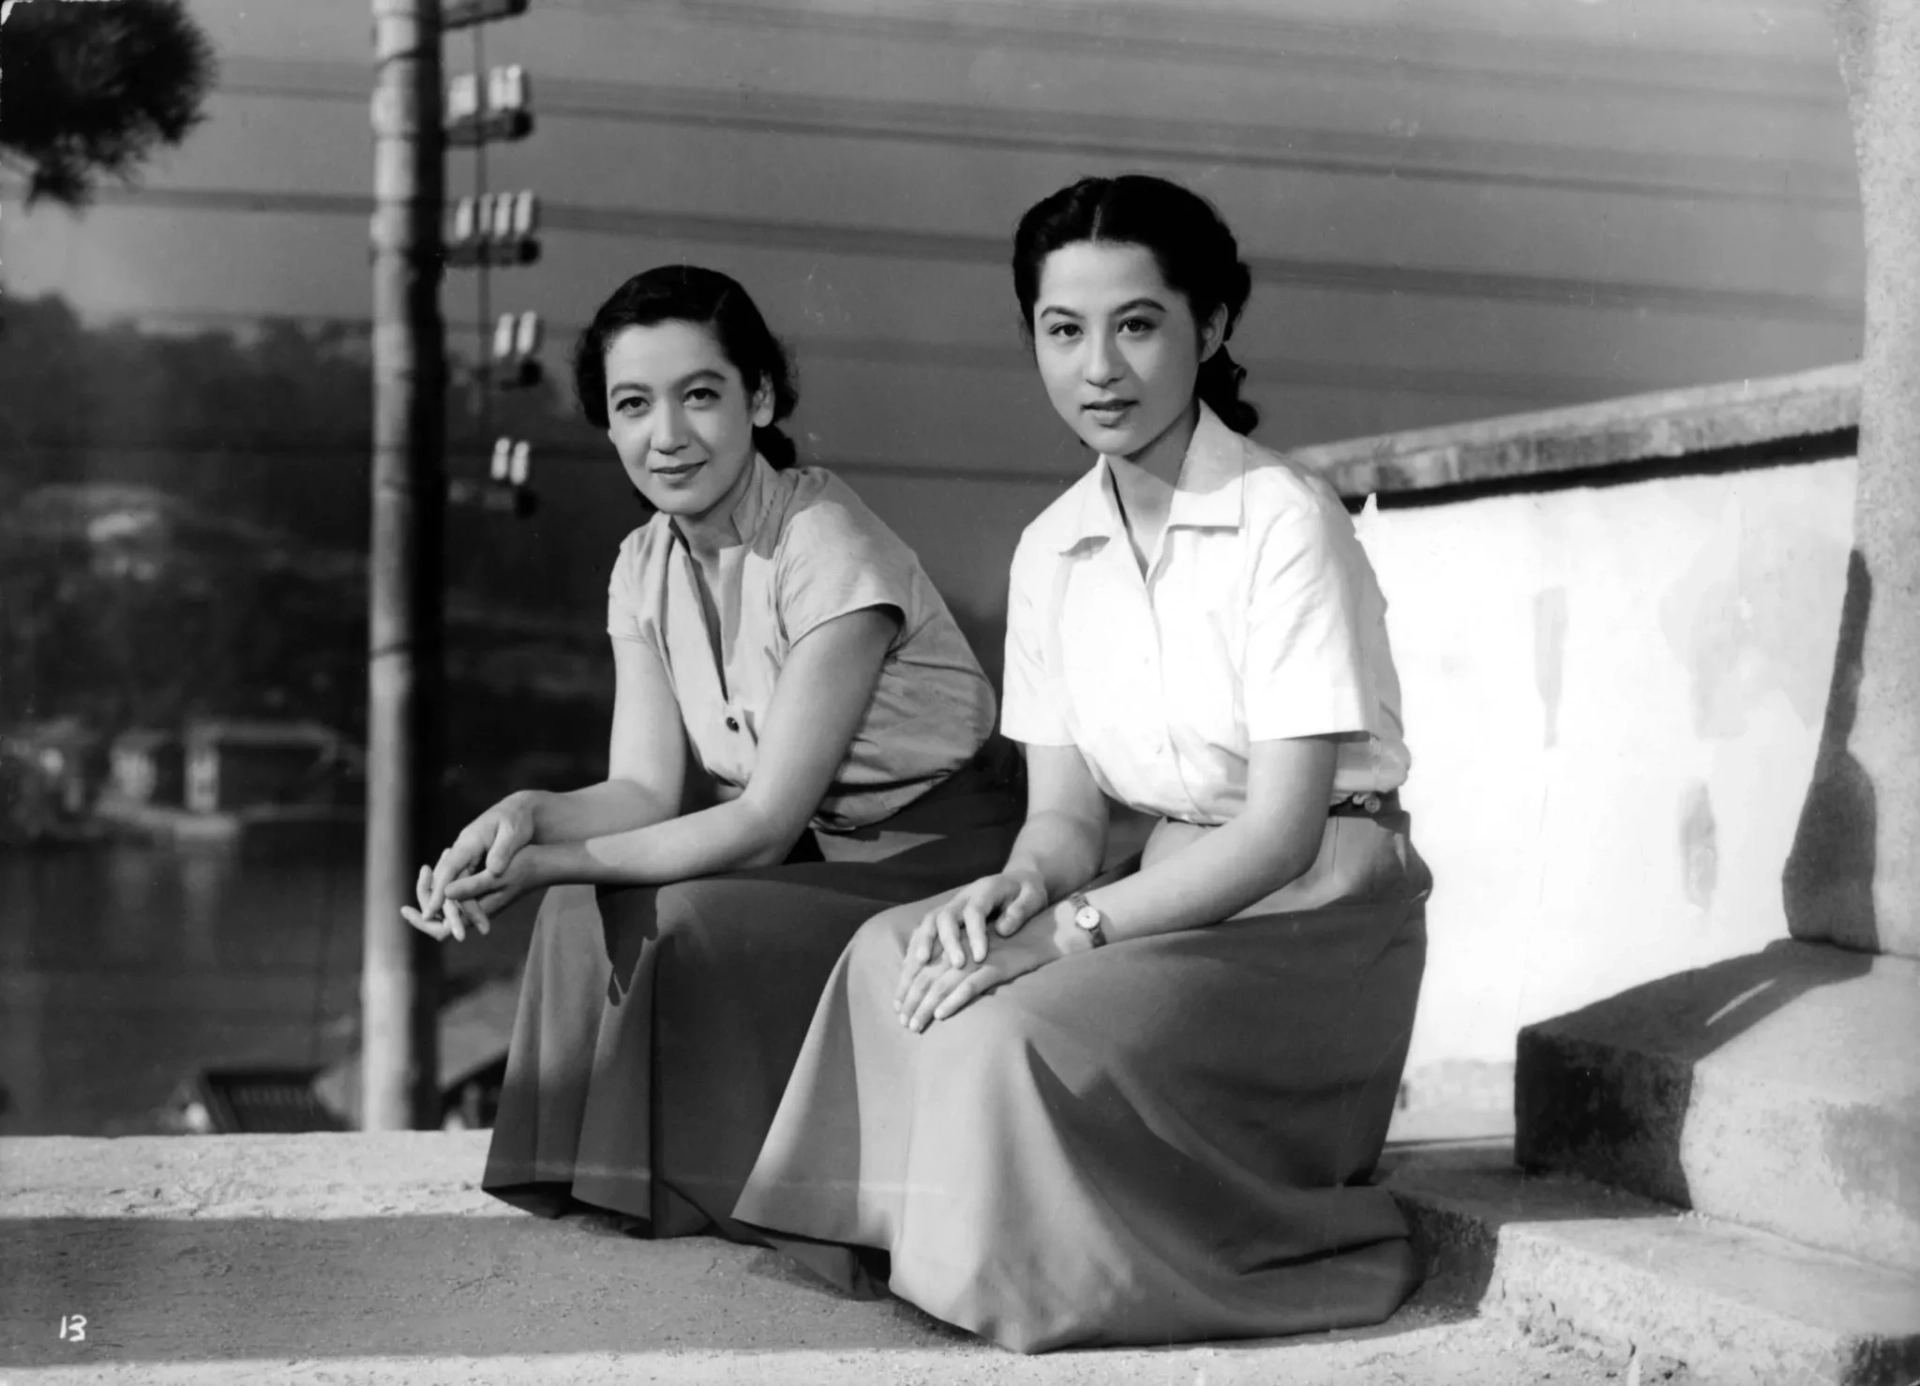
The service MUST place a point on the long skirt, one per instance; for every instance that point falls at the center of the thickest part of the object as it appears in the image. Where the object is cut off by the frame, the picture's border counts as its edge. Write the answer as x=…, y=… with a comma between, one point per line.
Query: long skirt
x=1163, y=1140
x=657, y=1025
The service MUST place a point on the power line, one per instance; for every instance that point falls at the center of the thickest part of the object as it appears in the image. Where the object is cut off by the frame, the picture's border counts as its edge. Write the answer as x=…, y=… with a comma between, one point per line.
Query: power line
x=982, y=357
x=1476, y=162
x=205, y=452
x=1217, y=38
x=902, y=243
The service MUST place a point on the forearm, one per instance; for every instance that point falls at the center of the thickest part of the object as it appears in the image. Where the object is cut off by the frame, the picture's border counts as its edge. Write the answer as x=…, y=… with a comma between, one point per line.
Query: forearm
x=735, y=836
x=1060, y=849
x=612, y=806
x=1213, y=878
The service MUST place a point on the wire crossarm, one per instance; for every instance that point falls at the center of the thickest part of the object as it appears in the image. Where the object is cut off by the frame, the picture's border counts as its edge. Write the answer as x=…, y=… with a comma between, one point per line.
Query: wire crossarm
x=460, y=14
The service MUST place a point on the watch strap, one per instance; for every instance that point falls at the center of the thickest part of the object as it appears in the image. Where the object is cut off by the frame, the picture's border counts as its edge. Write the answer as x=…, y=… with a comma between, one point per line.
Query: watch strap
x=1083, y=906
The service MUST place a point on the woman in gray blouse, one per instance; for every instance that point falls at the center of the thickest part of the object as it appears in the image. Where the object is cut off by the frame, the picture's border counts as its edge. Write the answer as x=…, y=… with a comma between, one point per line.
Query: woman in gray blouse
x=797, y=740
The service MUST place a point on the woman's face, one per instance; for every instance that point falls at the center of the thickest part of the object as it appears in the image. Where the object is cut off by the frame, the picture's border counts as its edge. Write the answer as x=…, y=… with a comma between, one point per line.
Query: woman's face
x=1118, y=349
x=682, y=419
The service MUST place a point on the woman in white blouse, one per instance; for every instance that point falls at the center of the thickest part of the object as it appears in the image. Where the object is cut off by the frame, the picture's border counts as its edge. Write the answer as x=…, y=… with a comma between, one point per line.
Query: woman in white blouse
x=1142, y=1105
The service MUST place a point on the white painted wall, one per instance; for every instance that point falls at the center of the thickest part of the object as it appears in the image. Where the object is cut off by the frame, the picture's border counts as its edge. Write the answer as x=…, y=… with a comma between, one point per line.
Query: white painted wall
x=1613, y=698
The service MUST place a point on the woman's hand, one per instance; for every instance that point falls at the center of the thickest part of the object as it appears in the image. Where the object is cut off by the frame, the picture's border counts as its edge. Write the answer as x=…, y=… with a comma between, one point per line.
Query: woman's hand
x=1006, y=899
x=948, y=934
x=438, y=916
x=444, y=918
x=938, y=991
x=482, y=894
x=488, y=843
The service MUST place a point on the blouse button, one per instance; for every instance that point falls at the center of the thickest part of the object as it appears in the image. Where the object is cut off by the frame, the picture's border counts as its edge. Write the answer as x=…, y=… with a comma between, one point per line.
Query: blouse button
x=733, y=724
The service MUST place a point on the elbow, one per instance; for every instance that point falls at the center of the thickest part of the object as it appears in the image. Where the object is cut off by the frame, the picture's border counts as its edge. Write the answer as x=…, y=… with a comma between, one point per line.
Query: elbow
x=767, y=839
x=770, y=854
x=641, y=803
x=1295, y=853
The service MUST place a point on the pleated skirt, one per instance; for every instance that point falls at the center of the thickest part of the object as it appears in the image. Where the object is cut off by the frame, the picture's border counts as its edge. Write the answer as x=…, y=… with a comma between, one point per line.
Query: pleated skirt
x=657, y=1026
x=1159, y=1141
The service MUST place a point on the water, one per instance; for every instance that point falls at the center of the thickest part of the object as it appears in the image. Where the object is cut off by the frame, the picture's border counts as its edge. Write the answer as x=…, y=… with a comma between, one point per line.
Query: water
x=124, y=969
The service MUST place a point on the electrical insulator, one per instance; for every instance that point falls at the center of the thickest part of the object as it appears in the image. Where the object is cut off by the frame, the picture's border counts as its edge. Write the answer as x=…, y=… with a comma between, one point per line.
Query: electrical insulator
x=516, y=345
x=507, y=89
x=526, y=337
x=463, y=97
x=494, y=229
x=516, y=334
x=499, y=111
x=505, y=491
x=526, y=208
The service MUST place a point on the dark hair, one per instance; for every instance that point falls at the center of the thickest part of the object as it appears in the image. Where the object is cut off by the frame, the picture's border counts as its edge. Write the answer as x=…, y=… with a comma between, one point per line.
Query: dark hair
x=706, y=298
x=1190, y=242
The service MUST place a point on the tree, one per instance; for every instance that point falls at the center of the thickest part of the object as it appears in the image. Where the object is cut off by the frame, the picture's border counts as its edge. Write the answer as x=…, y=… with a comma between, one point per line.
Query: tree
x=91, y=89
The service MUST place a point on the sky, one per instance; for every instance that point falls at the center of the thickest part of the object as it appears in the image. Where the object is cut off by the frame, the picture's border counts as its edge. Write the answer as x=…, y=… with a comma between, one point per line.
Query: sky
x=1453, y=208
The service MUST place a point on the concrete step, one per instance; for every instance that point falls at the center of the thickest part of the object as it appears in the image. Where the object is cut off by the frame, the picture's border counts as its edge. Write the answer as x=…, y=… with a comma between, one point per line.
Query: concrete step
x=1633, y=1281
x=1780, y=1090
x=360, y=1258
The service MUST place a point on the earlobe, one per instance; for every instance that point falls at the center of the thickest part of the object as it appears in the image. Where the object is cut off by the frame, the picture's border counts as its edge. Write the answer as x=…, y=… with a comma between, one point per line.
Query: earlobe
x=1215, y=335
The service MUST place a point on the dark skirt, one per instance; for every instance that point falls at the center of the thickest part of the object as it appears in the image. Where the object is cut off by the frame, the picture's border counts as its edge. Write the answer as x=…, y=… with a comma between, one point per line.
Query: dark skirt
x=657, y=1026
x=1162, y=1140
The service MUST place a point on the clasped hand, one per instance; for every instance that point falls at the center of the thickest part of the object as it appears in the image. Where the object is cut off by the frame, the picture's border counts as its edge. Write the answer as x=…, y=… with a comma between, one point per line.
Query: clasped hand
x=947, y=964
x=492, y=863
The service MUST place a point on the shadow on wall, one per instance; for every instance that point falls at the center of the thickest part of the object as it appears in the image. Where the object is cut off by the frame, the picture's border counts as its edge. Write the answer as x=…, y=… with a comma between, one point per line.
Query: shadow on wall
x=1828, y=883
x=1607, y=1090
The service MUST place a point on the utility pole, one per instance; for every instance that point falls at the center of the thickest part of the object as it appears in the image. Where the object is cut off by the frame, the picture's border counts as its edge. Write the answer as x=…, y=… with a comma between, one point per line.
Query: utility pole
x=399, y=985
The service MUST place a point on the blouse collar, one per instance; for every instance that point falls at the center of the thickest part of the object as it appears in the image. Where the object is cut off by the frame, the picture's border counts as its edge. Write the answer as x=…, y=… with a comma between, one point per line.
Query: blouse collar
x=1206, y=495
x=755, y=507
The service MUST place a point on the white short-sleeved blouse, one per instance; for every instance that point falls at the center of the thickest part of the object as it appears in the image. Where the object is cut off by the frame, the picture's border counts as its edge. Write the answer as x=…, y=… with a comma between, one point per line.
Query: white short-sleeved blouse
x=1260, y=619
x=809, y=551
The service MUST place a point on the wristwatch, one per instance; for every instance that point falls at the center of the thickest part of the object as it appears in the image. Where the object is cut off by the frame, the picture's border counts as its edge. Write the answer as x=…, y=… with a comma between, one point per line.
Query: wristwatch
x=1088, y=917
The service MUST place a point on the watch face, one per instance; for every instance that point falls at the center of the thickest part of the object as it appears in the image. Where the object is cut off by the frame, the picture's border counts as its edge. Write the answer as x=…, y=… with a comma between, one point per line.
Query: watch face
x=1087, y=917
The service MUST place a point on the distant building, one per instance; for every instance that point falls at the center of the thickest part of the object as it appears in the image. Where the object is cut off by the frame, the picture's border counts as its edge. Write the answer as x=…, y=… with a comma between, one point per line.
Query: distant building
x=61, y=758
x=147, y=765
x=232, y=764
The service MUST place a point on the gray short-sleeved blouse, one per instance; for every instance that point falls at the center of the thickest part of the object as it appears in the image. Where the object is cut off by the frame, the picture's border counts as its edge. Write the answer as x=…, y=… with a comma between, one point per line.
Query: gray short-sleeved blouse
x=810, y=551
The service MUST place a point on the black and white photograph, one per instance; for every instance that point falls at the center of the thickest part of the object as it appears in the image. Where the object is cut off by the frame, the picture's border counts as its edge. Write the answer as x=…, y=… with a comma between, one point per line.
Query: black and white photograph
x=943, y=692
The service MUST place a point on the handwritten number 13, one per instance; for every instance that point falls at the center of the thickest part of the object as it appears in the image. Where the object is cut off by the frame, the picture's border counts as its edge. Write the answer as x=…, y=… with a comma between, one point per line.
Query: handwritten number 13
x=73, y=1328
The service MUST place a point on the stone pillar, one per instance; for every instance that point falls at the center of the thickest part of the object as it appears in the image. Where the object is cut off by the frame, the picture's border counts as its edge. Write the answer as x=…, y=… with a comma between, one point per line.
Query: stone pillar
x=1782, y=1090
x=1854, y=874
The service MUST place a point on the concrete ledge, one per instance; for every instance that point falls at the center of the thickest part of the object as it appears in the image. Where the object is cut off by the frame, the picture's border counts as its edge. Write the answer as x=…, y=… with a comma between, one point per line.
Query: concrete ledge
x=1629, y=1280
x=1779, y=410
x=223, y=1260
x=1780, y=1090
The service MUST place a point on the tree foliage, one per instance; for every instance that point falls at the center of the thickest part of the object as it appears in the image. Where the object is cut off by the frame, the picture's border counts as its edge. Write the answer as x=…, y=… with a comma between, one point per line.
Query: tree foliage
x=91, y=89
x=183, y=524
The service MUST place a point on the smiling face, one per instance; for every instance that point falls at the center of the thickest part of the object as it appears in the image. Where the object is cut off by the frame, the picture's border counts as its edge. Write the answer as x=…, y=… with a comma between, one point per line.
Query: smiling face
x=1119, y=351
x=682, y=420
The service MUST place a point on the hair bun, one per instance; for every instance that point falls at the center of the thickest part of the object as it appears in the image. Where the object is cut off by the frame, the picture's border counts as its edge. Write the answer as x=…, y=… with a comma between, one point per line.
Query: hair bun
x=775, y=446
